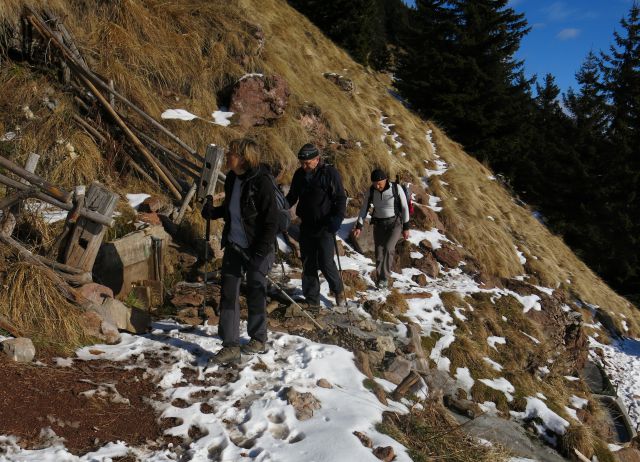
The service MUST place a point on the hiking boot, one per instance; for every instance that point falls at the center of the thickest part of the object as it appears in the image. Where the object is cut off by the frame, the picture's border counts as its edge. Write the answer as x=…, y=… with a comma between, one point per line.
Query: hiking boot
x=312, y=308
x=227, y=355
x=340, y=300
x=254, y=347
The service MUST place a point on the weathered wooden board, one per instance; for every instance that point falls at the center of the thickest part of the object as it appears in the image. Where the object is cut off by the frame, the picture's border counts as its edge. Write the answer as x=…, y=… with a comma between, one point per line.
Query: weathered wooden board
x=85, y=240
x=210, y=171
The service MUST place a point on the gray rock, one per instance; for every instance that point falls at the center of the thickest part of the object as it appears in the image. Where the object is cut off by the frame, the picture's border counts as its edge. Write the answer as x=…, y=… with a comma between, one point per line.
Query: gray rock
x=123, y=317
x=303, y=403
x=385, y=343
x=397, y=370
x=19, y=349
x=509, y=434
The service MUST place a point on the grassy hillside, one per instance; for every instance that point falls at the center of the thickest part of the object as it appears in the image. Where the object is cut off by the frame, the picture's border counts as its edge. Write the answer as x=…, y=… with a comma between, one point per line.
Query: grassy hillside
x=188, y=55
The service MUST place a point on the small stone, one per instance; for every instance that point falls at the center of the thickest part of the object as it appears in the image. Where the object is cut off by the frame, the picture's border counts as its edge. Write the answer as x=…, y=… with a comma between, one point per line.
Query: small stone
x=188, y=299
x=384, y=453
x=364, y=439
x=397, y=370
x=151, y=218
x=151, y=204
x=324, y=383
x=303, y=403
x=19, y=349
x=385, y=343
x=420, y=279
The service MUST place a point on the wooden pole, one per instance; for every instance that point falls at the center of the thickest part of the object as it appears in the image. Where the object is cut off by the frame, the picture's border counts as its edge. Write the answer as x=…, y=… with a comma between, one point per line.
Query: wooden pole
x=69, y=55
x=47, y=33
x=54, y=191
x=89, y=214
x=186, y=165
x=77, y=279
x=185, y=204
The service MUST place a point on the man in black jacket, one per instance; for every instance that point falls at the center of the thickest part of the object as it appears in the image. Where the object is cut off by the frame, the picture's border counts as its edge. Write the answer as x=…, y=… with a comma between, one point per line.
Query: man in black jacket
x=250, y=223
x=317, y=188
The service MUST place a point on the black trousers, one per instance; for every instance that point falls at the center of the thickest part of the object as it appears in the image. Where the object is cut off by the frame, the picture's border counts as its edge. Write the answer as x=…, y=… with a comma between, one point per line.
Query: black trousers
x=229, y=326
x=317, y=249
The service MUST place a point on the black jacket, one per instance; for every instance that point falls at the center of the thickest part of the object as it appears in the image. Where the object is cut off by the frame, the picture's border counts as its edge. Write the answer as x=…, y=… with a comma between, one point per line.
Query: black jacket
x=258, y=210
x=321, y=200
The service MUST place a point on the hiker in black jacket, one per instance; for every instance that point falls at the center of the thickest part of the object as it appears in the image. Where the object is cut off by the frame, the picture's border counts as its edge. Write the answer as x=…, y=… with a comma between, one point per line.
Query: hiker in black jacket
x=250, y=223
x=317, y=189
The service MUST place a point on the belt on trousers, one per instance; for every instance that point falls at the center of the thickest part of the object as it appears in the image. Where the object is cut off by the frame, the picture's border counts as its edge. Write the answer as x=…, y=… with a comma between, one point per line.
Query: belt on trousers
x=383, y=220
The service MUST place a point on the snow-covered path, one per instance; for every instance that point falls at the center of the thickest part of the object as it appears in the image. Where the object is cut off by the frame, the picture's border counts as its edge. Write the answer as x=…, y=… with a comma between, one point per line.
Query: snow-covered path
x=249, y=418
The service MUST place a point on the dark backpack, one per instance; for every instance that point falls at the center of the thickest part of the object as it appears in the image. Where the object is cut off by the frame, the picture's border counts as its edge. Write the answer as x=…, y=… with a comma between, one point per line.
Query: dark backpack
x=284, y=217
x=397, y=205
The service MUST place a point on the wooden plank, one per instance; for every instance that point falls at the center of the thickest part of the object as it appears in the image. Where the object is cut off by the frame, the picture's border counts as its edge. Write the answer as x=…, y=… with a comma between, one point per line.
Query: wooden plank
x=87, y=235
x=210, y=171
x=107, y=221
x=51, y=189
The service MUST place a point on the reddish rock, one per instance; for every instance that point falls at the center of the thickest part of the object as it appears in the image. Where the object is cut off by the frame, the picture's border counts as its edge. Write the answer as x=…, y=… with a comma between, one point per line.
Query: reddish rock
x=364, y=439
x=315, y=124
x=304, y=403
x=384, y=453
x=627, y=455
x=94, y=326
x=259, y=100
x=187, y=299
x=425, y=218
x=428, y=265
x=341, y=81
x=151, y=218
x=448, y=255
x=420, y=279
x=151, y=204
x=95, y=293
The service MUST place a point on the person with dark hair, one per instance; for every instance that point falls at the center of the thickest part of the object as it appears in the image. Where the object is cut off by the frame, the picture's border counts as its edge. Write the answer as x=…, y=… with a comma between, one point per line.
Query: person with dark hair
x=317, y=189
x=250, y=224
x=390, y=219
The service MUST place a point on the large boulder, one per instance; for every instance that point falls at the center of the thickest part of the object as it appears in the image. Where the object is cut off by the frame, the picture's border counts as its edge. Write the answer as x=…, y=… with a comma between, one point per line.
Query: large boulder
x=19, y=349
x=95, y=326
x=122, y=316
x=259, y=100
x=95, y=293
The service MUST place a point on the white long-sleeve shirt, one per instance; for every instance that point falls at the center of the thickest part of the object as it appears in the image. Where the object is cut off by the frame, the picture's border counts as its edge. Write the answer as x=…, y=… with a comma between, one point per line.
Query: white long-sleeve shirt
x=384, y=204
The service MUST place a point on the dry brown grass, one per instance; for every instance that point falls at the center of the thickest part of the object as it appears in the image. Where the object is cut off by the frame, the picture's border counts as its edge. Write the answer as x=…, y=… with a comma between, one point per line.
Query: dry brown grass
x=35, y=305
x=433, y=434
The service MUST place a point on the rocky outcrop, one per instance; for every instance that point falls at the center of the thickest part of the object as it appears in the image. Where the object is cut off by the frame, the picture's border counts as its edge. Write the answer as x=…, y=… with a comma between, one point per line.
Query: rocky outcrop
x=259, y=100
x=341, y=81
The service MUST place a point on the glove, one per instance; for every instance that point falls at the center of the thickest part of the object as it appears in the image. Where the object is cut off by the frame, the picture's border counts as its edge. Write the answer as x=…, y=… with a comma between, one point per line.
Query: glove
x=207, y=209
x=333, y=224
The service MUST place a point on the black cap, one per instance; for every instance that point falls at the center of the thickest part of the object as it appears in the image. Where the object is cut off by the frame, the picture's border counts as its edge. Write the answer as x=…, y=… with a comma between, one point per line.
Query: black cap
x=308, y=151
x=378, y=175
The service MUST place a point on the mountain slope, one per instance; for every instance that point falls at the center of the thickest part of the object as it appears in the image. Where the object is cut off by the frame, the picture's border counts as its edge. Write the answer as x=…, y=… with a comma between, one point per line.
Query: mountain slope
x=189, y=55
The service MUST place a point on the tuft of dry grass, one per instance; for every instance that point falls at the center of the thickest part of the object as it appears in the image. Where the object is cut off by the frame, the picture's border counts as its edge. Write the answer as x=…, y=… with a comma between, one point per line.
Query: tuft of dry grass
x=432, y=434
x=395, y=302
x=34, y=303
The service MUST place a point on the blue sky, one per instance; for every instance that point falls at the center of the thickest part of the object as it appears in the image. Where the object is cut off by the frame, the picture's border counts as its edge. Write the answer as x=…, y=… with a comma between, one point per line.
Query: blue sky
x=563, y=32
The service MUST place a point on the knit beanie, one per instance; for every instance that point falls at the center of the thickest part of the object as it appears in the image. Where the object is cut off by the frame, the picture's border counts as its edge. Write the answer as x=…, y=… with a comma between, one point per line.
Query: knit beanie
x=308, y=151
x=378, y=175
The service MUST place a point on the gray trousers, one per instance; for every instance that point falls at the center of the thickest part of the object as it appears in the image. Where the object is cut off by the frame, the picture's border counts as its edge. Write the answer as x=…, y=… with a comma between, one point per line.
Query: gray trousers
x=386, y=234
x=256, y=293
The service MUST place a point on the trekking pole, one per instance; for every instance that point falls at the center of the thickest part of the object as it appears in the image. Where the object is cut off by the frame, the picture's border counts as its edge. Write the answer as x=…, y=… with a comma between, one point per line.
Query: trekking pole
x=335, y=243
x=208, y=201
x=245, y=257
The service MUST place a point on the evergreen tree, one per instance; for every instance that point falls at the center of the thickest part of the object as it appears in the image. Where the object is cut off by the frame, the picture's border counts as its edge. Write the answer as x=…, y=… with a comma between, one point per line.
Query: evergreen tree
x=621, y=184
x=356, y=25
